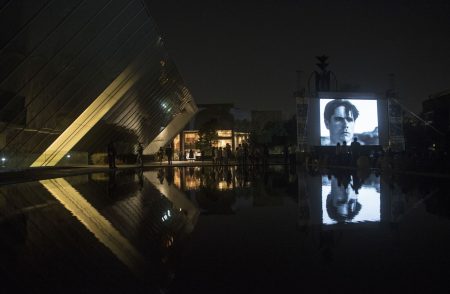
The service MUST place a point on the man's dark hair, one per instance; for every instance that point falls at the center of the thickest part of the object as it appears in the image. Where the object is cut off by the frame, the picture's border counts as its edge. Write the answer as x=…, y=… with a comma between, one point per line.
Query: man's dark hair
x=340, y=218
x=332, y=105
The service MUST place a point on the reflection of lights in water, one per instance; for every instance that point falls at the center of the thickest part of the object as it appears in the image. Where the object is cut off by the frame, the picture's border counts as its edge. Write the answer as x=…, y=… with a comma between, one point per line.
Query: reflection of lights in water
x=166, y=216
x=103, y=230
x=223, y=185
x=169, y=241
x=192, y=179
x=177, y=178
x=192, y=182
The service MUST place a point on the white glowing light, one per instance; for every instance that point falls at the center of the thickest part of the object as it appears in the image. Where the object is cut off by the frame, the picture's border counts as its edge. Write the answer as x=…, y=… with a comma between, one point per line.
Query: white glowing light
x=68, y=155
x=166, y=216
x=3, y=159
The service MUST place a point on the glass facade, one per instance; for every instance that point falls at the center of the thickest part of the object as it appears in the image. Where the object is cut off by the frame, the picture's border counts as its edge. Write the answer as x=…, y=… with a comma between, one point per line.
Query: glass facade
x=76, y=75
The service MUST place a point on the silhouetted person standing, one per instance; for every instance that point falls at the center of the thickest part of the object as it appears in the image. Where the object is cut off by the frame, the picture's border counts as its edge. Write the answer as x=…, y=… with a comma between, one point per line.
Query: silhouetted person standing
x=355, y=149
x=111, y=155
x=140, y=151
x=245, y=157
x=160, y=155
x=338, y=154
x=169, y=154
x=345, y=153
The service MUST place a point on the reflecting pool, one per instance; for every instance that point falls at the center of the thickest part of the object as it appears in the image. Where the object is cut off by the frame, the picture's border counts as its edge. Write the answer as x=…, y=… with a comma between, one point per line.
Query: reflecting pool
x=226, y=230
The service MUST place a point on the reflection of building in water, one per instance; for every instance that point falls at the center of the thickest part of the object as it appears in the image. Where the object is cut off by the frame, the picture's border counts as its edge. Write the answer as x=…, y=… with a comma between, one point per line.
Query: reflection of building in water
x=68, y=221
x=178, y=199
x=195, y=178
x=192, y=181
x=223, y=190
x=91, y=218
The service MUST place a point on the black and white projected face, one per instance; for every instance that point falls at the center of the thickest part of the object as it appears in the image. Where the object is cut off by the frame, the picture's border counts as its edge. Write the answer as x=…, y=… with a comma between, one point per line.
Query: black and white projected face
x=347, y=200
x=344, y=119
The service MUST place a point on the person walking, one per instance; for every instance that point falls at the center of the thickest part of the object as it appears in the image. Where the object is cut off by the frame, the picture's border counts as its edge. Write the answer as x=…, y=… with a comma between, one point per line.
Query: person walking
x=169, y=154
x=112, y=155
x=160, y=155
x=139, y=158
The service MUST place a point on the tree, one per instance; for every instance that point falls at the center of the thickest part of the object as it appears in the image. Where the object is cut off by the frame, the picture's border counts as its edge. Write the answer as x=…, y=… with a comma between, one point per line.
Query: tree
x=207, y=135
x=269, y=135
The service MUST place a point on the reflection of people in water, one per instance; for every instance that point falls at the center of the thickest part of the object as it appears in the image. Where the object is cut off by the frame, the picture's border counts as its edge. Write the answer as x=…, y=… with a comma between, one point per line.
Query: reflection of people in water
x=111, y=183
x=169, y=175
x=229, y=177
x=357, y=183
x=342, y=202
x=161, y=175
x=140, y=174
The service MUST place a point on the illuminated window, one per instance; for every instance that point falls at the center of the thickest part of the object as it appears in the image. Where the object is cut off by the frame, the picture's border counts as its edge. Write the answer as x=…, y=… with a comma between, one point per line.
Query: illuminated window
x=240, y=138
x=176, y=143
x=190, y=139
x=224, y=133
x=223, y=142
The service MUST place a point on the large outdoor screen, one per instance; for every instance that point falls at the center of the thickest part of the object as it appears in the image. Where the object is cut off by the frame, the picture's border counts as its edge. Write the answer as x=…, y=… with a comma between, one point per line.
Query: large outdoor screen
x=349, y=199
x=344, y=119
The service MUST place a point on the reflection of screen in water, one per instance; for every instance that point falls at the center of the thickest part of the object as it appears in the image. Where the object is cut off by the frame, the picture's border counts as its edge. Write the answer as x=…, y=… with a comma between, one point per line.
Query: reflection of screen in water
x=340, y=205
x=366, y=125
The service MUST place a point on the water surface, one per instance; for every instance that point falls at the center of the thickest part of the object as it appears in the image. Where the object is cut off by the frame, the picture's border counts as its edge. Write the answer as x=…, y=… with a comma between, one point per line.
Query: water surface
x=226, y=230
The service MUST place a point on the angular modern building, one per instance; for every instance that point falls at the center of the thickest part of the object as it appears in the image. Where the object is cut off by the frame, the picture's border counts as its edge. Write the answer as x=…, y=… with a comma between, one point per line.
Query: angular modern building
x=76, y=75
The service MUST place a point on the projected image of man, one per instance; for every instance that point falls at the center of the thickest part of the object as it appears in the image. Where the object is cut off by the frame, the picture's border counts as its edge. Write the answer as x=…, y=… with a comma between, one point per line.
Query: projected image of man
x=340, y=117
x=342, y=203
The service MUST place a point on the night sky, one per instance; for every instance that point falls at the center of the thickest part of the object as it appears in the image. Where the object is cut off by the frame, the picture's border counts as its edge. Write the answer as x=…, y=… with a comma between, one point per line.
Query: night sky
x=247, y=52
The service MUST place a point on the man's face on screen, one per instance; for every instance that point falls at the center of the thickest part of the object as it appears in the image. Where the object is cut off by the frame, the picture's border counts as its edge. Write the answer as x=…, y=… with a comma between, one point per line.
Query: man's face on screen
x=341, y=126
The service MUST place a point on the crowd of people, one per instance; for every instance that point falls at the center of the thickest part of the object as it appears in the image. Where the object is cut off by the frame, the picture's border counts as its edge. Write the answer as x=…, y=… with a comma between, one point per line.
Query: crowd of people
x=243, y=154
x=353, y=156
